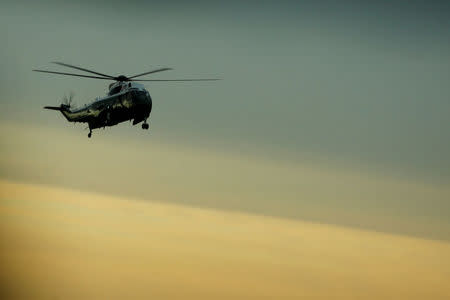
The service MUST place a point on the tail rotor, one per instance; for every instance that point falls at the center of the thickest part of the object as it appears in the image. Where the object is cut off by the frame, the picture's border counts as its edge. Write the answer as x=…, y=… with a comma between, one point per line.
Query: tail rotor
x=67, y=100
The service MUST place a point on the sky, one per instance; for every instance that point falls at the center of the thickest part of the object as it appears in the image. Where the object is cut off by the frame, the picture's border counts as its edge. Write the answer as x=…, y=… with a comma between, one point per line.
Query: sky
x=335, y=113
x=318, y=166
x=66, y=244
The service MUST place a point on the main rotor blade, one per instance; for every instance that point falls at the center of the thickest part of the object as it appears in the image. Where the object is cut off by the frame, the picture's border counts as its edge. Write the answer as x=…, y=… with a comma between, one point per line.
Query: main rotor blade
x=71, y=74
x=202, y=79
x=150, y=72
x=81, y=69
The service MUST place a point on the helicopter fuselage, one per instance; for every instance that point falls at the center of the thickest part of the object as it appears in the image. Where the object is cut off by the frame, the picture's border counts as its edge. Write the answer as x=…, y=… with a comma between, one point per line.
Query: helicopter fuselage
x=125, y=101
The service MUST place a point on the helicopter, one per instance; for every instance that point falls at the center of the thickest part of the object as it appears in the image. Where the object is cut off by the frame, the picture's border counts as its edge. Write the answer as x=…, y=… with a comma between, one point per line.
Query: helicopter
x=126, y=100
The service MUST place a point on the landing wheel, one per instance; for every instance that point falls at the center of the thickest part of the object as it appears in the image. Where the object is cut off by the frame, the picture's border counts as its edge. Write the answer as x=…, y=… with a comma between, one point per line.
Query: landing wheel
x=89, y=134
x=145, y=126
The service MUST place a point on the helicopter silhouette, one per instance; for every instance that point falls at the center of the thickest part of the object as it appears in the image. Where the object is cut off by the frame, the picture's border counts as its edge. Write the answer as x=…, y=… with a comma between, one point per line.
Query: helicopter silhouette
x=126, y=99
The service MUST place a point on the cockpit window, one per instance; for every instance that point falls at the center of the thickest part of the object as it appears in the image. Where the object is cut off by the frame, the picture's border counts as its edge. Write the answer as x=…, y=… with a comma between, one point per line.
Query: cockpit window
x=115, y=90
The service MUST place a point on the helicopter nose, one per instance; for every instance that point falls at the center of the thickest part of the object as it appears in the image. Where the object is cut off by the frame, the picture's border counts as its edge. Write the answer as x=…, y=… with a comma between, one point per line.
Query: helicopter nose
x=142, y=97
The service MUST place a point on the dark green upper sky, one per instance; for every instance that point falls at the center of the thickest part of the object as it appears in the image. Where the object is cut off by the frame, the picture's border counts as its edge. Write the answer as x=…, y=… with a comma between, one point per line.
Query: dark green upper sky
x=361, y=82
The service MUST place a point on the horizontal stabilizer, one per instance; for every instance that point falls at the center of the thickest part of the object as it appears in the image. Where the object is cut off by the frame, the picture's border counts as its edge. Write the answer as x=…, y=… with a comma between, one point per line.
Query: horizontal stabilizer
x=53, y=107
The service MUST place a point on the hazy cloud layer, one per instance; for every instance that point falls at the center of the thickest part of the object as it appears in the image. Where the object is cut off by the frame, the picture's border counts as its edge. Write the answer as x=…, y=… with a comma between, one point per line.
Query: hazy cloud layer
x=155, y=170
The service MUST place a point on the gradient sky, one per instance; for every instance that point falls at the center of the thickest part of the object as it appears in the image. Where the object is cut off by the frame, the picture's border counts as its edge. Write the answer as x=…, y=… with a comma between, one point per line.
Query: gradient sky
x=331, y=112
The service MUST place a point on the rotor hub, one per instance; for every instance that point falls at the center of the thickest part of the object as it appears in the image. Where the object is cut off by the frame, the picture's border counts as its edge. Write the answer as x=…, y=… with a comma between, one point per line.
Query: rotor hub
x=122, y=78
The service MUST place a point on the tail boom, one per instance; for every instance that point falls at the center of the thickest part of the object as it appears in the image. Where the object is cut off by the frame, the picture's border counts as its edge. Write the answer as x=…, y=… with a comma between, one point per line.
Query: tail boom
x=65, y=110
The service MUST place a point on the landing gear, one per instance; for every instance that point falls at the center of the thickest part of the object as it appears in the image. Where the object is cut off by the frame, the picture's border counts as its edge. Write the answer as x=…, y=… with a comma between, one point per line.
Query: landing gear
x=90, y=133
x=145, y=126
